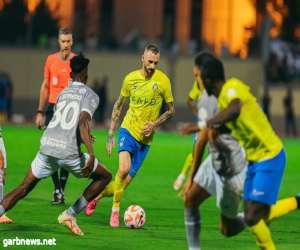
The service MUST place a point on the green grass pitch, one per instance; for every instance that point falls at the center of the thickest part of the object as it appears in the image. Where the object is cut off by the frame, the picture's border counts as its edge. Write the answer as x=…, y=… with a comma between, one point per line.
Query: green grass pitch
x=35, y=218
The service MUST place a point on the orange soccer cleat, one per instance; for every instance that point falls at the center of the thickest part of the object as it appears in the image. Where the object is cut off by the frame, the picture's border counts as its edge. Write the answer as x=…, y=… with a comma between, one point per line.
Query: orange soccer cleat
x=4, y=219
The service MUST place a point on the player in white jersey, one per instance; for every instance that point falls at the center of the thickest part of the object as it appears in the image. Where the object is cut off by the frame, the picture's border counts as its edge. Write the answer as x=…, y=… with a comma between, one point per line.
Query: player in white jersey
x=222, y=173
x=3, y=218
x=60, y=147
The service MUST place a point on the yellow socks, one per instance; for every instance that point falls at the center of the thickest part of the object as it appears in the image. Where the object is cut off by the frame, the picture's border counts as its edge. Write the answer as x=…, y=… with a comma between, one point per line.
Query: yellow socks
x=118, y=191
x=261, y=231
x=281, y=208
x=188, y=164
x=262, y=235
x=108, y=191
x=115, y=189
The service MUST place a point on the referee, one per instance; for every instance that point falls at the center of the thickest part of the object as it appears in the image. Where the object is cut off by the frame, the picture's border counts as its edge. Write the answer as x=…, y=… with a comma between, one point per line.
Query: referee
x=56, y=78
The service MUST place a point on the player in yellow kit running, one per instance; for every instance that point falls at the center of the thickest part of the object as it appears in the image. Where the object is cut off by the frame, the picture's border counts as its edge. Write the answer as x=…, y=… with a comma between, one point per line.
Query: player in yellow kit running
x=265, y=153
x=194, y=94
x=146, y=88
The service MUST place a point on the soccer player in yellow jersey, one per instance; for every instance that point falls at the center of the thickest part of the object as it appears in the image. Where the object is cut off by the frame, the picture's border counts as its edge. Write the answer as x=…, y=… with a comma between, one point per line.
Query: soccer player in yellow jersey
x=194, y=94
x=241, y=114
x=146, y=89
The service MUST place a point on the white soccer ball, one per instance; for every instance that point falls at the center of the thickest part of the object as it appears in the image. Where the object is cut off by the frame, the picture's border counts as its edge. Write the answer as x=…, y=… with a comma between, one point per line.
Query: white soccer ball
x=134, y=217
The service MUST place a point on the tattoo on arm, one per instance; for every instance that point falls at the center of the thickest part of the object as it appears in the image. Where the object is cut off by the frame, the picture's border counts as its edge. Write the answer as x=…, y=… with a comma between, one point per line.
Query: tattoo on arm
x=115, y=116
x=166, y=116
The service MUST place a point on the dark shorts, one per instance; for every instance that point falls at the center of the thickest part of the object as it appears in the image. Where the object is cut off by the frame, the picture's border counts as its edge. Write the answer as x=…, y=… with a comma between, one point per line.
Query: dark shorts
x=49, y=115
x=138, y=151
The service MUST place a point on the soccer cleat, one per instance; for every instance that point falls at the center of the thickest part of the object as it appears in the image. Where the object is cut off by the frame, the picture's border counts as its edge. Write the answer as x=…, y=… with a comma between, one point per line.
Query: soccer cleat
x=57, y=196
x=62, y=200
x=90, y=208
x=114, y=219
x=69, y=222
x=177, y=184
x=5, y=220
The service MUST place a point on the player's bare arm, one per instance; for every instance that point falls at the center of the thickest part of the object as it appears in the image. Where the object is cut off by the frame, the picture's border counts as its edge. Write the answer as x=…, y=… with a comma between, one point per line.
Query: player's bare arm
x=230, y=113
x=199, y=149
x=114, y=118
x=43, y=97
x=86, y=138
x=189, y=129
x=149, y=127
x=191, y=105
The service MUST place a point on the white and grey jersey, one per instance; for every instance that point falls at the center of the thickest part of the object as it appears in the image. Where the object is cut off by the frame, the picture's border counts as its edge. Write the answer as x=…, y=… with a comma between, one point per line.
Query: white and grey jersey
x=62, y=138
x=228, y=156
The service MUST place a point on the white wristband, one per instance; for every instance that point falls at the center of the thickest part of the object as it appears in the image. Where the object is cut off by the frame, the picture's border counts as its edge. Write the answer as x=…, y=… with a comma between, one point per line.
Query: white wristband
x=202, y=124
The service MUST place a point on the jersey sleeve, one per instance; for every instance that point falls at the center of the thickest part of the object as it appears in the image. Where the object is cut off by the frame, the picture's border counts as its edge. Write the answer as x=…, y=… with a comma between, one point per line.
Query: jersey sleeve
x=125, y=91
x=90, y=104
x=194, y=93
x=167, y=91
x=233, y=92
x=47, y=68
x=207, y=109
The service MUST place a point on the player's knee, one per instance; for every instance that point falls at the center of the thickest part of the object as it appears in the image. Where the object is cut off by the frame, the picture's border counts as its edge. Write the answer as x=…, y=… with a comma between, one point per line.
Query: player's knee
x=226, y=231
x=109, y=177
x=251, y=219
x=189, y=202
x=123, y=171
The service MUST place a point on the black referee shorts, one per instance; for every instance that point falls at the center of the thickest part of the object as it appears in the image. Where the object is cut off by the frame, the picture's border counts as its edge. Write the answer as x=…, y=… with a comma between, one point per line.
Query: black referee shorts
x=49, y=115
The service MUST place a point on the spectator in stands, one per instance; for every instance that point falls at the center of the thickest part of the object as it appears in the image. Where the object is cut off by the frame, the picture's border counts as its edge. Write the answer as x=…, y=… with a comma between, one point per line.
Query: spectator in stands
x=5, y=96
x=289, y=113
x=102, y=93
x=9, y=93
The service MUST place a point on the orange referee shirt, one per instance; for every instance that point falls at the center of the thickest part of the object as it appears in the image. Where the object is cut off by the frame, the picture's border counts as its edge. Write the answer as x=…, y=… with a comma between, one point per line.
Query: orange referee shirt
x=58, y=72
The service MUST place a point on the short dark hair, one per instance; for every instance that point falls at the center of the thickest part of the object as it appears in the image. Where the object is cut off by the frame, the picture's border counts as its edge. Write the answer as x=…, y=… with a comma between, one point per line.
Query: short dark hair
x=203, y=57
x=64, y=31
x=213, y=70
x=79, y=63
x=153, y=48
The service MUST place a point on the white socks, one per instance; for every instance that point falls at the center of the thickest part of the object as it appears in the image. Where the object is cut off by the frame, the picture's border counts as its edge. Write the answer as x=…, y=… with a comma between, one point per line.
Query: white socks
x=115, y=209
x=181, y=178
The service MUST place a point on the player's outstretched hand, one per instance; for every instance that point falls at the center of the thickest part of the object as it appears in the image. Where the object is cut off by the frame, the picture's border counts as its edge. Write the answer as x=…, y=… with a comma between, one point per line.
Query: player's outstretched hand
x=212, y=135
x=88, y=169
x=188, y=129
x=93, y=138
x=187, y=186
x=111, y=141
x=39, y=120
x=148, y=129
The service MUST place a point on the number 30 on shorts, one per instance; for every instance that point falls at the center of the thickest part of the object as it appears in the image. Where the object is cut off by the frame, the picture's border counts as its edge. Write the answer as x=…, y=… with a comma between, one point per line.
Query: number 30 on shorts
x=61, y=113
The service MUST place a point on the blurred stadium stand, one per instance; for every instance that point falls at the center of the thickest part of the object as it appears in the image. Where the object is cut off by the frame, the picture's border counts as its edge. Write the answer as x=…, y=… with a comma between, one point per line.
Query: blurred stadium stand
x=113, y=34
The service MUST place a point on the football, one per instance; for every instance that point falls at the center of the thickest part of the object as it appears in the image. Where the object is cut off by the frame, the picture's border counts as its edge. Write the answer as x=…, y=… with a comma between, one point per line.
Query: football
x=134, y=217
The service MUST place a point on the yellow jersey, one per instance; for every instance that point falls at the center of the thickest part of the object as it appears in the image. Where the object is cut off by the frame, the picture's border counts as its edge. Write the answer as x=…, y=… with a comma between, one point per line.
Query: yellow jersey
x=146, y=96
x=195, y=92
x=252, y=127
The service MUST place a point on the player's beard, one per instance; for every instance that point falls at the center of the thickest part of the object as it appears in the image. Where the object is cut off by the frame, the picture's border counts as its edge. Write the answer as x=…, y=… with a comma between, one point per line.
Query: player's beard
x=147, y=71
